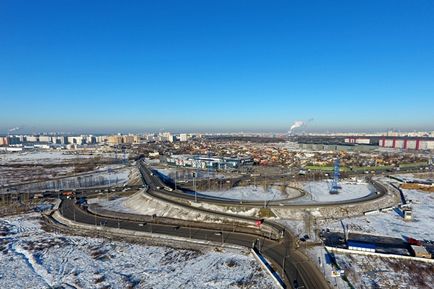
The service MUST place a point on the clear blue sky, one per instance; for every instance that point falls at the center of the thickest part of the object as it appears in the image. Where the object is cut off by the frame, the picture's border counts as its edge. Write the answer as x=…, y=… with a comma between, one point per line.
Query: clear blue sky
x=216, y=65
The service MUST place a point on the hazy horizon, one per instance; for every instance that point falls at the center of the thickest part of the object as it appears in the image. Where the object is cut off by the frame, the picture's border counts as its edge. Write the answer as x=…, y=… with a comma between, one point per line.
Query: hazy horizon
x=301, y=130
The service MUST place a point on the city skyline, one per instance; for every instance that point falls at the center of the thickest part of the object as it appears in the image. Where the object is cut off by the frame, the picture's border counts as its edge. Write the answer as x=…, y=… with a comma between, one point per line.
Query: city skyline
x=102, y=67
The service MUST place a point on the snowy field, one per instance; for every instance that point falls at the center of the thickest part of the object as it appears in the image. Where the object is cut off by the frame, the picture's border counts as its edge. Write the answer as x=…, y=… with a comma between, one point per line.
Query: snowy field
x=373, y=272
x=320, y=191
x=117, y=205
x=19, y=167
x=33, y=258
x=97, y=179
x=369, y=272
x=14, y=175
x=272, y=192
x=144, y=205
x=392, y=225
x=411, y=178
x=39, y=156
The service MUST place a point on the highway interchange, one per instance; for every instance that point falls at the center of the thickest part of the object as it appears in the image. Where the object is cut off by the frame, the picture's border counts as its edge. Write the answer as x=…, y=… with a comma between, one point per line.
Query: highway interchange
x=279, y=249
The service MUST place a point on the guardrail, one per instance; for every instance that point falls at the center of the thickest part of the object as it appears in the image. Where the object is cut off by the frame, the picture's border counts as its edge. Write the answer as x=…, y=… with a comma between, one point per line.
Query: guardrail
x=273, y=230
x=220, y=227
x=264, y=263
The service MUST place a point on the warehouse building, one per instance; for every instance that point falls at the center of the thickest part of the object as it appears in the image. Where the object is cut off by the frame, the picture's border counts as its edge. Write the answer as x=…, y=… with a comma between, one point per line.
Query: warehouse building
x=409, y=143
x=205, y=162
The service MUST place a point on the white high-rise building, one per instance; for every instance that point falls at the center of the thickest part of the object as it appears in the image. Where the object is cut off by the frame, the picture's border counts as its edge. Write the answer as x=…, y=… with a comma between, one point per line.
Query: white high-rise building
x=183, y=137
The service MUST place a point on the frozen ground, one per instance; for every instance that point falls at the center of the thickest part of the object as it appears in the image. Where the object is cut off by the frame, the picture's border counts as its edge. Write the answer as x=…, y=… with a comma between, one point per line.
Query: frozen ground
x=255, y=193
x=144, y=205
x=16, y=168
x=369, y=272
x=39, y=156
x=411, y=178
x=14, y=175
x=393, y=225
x=97, y=179
x=33, y=258
x=320, y=191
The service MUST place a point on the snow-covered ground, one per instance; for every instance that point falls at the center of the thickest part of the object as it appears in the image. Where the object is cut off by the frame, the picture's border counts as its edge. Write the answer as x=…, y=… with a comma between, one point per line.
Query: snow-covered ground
x=320, y=191
x=369, y=272
x=97, y=179
x=39, y=156
x=19, y=167
x=117, y=205
x=145, y=205
x=33, y=258
x=392, y=224
x=411, y=178
x=273, y=192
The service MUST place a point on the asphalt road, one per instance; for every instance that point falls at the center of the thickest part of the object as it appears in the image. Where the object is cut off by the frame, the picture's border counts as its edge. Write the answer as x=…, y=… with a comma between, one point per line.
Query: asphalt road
x=151, y=178
x=283, y=254
x=297, y=266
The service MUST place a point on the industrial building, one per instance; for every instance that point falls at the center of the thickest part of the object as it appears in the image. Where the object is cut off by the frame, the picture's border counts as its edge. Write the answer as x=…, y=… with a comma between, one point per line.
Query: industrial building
x=409, y=143
x=365, y=143
x=206, y=162
x=358, y=140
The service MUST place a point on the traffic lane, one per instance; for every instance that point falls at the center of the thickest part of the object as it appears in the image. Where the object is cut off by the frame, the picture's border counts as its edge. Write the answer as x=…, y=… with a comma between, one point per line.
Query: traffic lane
x=276, y=256
x=153, y=180
x=272, y=249
x=71, y=212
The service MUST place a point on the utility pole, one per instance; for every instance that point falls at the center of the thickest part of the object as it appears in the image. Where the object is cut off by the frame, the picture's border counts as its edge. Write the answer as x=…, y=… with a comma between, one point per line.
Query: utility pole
x=108, y=191
x=194, y=187
x=223, y=239
x=73, y=209
x=176, y=173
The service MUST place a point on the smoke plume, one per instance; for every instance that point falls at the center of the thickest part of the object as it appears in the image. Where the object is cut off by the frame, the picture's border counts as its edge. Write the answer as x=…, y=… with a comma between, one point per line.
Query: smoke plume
x=13, y=129
x=296, y=124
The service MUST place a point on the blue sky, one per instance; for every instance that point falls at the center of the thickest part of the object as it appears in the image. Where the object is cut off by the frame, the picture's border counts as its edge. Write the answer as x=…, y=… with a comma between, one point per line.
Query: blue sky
x=216, y=65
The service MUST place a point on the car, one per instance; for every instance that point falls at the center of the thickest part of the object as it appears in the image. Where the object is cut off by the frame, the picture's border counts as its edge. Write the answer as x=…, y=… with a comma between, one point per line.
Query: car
x=176, y=228
x=142, y=224
x=218, y=233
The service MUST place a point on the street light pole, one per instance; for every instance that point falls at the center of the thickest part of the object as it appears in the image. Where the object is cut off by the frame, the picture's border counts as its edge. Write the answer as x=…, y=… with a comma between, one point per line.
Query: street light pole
x=194, y=187
x=108, y=191
x=73, y=210
x=223, y=239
